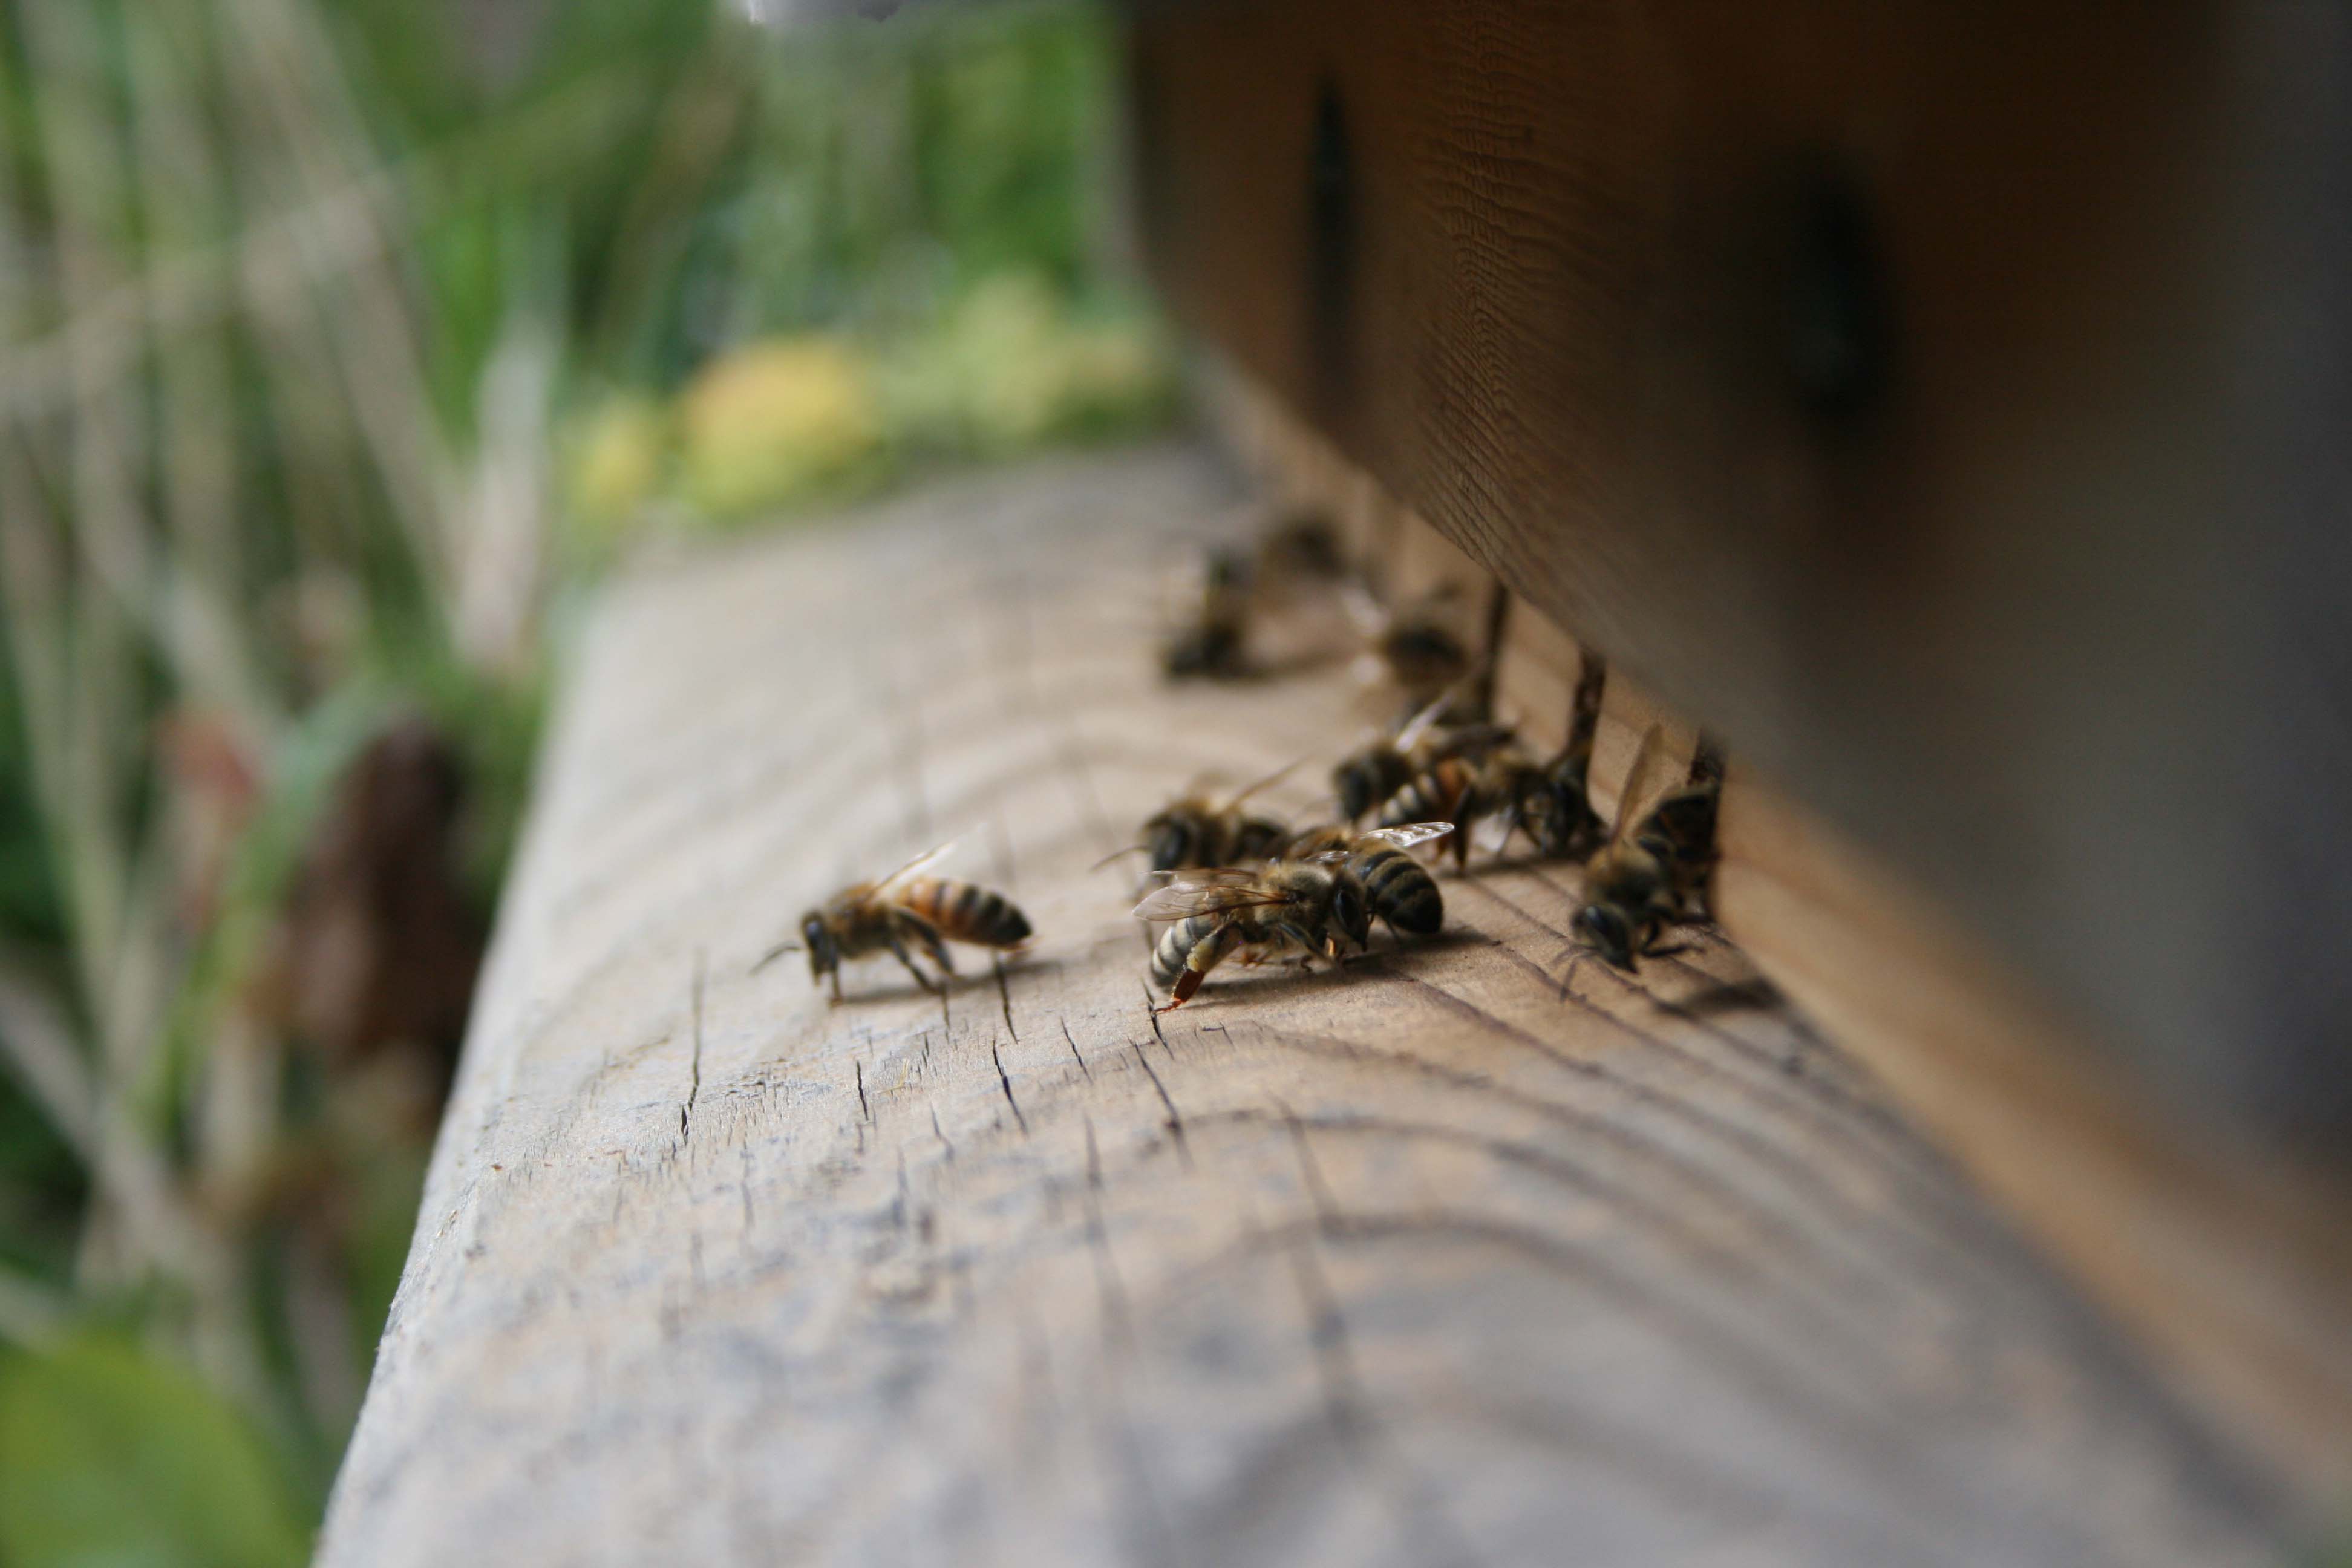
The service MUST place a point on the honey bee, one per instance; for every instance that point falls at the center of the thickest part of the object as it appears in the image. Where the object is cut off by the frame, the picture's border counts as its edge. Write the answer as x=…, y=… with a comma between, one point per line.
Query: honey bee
x=1686, y=820
x=1420, y=648
x=1294, y=908
x=1197, y=831
x=904, y=908
x=1556, y=809
x=1213, y=643
x=1299, y=551
x=1367, y=778
x=1463, y=790
x=1655, y=874
x=1548, y=801
x=1399, y=887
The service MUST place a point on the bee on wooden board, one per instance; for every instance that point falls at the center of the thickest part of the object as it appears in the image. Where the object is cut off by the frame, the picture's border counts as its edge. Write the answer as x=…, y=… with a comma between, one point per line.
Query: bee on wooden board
x=1212, y=643
x=1549, y=802
x=899, y=911
x=1654, y=870
x=1197, y=830
x=1557, y=810
x=1294, y=565
x=1420, y=648
x=1466, y=789
x=1400, y=888
x=1481, y=774
x=1299, y=552
x=1295, y=909
x=1366, y=779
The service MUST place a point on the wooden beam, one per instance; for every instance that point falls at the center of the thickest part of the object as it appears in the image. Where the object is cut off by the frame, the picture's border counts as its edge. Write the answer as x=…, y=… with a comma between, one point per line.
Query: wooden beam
x=1467, y=1253
x=1926, y=397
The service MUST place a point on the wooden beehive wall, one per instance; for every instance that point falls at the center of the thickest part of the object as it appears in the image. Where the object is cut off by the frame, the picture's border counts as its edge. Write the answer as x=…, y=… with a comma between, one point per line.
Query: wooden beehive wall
x=1925, y=395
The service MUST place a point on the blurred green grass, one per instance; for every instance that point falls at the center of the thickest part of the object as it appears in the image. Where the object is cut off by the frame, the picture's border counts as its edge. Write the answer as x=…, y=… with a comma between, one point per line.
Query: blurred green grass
x=345, y=338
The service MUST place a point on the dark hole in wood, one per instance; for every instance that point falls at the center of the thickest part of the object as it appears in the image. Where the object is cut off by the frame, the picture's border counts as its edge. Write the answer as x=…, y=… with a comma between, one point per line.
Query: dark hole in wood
x=1332, y=221
x=1837, y=324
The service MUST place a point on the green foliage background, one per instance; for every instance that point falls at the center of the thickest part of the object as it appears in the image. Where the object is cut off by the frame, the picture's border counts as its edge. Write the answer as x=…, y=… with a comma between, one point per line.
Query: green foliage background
x=345, y=338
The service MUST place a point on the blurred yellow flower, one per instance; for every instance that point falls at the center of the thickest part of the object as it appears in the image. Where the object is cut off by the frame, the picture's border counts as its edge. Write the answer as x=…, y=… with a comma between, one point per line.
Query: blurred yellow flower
x=773, y=419
x=616, y=459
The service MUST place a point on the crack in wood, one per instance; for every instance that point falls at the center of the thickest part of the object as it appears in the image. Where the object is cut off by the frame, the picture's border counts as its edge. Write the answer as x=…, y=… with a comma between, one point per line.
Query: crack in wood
x=1076, y=1055
x=1005, y=1082
x=1151, y=1012
x=1004, y=997
x=693, y=1082
x=1175, y=1118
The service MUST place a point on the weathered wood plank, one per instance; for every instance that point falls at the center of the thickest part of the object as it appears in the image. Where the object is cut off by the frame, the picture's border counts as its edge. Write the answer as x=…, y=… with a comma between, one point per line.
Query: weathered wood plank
x=1473, y=1254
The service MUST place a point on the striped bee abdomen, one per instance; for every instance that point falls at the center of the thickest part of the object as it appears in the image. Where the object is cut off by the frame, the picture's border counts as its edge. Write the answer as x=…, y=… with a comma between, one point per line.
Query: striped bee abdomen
x=1432, y=795
x=1175, y=946
x=965, y=911
x=1400, y=889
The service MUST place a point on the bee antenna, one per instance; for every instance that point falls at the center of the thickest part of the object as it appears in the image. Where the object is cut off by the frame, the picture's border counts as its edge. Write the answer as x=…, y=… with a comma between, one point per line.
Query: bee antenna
x=1130, y=849
x=774, y=953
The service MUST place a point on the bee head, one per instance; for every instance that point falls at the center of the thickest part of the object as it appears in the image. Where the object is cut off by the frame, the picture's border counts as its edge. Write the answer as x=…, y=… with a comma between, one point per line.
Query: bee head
x=1357, y=782
x=1605, y=929
x=823, y=953
x=1172, y=841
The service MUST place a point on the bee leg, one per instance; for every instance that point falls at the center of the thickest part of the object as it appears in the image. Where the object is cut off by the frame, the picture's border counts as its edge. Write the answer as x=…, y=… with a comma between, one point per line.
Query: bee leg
x=834, y=975
x=899, y=947
x=1206, y=955
x=933, y=943
x=1300, y=937
x=1515, y=820
x=1181, y=992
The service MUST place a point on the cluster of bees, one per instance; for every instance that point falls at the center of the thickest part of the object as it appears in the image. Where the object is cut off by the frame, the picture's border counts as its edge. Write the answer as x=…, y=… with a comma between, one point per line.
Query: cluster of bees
x=1237, y=885
x=1229, y=616
x=1241, y=885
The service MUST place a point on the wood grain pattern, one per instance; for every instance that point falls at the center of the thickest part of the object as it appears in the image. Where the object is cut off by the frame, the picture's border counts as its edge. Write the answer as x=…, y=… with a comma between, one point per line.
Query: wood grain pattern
x=1892, y=386
x=1473, y=1254
x=2232, y=1262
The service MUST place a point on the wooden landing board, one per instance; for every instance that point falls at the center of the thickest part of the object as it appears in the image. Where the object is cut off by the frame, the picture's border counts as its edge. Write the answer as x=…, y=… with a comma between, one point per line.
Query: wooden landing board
x=1473, y=1254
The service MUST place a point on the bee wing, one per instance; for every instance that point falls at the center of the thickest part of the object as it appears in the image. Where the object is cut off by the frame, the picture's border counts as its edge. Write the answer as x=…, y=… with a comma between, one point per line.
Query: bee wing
x=1206, y=892
x=1419, y=724
x=1409, y=834
x=1645, y=781
x=927, y=858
